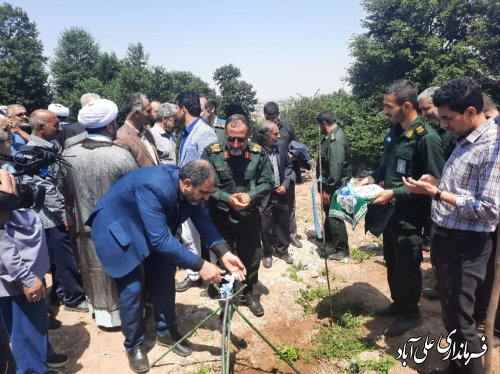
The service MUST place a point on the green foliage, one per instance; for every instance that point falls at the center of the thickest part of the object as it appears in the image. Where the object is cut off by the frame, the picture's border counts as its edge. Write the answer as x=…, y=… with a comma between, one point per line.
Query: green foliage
x=290, y=352
x=428, y=42
x=358, y=255
x=237, y=96
x=381, y=366
x=364, y=127
x=314, y=294
x=205, y=369
x=75, y=59
x=337, y=342
x=293, y=270
x=23, y=78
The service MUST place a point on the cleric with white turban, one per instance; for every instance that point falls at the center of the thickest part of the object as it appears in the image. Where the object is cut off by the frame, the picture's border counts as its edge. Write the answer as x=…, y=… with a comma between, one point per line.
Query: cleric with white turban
x=97, y=114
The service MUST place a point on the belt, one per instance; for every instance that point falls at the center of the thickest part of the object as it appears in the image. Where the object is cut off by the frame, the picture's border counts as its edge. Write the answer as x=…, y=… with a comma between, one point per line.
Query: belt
x=458, y=234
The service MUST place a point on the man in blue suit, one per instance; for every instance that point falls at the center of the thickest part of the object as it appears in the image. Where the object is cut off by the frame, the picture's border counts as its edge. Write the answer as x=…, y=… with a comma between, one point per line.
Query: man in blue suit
x=132, y=228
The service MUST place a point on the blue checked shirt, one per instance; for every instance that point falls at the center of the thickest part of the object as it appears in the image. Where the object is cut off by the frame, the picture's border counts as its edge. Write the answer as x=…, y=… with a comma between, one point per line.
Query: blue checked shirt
x=473, y=174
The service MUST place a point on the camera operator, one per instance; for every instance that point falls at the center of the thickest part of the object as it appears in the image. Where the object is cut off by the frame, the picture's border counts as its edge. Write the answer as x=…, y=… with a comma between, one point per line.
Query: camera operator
x=24, y=260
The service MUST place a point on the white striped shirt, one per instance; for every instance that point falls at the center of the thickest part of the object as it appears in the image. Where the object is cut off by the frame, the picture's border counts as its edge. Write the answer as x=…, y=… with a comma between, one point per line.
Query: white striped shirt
x=472, y=173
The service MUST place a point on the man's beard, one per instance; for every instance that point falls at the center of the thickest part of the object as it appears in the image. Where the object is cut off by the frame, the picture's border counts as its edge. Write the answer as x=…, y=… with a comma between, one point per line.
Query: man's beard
x=235, y=151
x=151, y=120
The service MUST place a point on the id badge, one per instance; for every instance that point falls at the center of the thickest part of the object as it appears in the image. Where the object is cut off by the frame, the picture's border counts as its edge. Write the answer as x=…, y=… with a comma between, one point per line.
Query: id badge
x=401, y=168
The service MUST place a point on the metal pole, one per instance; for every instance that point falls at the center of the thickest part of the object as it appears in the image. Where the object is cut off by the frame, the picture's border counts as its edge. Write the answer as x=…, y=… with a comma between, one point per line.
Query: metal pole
x=330, y=304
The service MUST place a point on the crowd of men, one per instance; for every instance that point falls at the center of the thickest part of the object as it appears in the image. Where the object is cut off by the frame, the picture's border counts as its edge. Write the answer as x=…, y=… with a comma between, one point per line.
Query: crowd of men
x=175, y=186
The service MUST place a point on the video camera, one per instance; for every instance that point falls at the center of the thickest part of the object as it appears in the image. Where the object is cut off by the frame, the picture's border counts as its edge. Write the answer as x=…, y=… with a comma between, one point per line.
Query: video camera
x=29, y=160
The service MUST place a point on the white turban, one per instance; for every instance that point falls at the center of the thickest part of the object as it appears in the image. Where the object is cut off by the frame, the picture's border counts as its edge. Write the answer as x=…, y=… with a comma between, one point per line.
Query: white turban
x=59, y=110
x=98, y=113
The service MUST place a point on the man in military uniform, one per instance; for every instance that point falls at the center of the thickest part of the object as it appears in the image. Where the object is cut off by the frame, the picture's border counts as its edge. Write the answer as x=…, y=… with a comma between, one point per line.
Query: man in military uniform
x=217, y=123
x=245, y=178
x=335, y=168
x=411, y=148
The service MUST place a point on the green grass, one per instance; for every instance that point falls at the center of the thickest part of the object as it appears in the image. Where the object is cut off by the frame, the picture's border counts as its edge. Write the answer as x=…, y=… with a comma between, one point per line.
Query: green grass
x=204, y=369
x=381, y=366
x=314, y=294
x=290, y=352
x=338, y=342
x=293, y=270
x=358, y=255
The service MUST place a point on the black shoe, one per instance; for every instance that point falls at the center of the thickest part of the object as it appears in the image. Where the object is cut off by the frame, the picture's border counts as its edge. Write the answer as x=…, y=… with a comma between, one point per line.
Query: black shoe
x=294, y=240
x=138, y=360
x=83, y=307
x=53, y=323
x=339, y=256
x=267, y=262
x=170, y=339
x=401, y=325
x=187, y=283
x=430, y=294
x=254, y=305
x=390, y=311
x=285, y=257
x=57, y=360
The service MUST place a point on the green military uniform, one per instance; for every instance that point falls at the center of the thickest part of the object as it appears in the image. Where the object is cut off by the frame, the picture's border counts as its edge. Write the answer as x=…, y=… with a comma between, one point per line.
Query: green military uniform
x=410, y=153
x=220, y=131
x=251, y=173
x=336, y=169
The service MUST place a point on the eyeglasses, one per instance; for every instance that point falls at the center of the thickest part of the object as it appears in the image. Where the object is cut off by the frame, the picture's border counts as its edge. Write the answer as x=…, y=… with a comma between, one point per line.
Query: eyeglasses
x=234, y=139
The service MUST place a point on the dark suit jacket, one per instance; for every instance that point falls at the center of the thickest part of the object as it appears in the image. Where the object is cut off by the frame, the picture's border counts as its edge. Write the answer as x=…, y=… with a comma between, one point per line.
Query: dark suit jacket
x=127, y=137
x=69, y=131
x=284, y=167
x=139, y=214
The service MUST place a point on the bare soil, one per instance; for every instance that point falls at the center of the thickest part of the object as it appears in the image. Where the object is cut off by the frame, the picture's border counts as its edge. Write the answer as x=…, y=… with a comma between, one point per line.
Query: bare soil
x=92, y=350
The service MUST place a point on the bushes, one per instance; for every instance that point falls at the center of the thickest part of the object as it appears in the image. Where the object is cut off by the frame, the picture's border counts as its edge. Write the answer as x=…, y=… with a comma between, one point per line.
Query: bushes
x=364, y=126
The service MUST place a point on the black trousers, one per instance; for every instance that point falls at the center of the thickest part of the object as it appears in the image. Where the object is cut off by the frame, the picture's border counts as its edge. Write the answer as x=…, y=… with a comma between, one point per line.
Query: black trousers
x=291, y=205
x=244, y=240
x=66, y=280
x=460, y=258
x=335, y=233
x=275, y=225
x=403, y=255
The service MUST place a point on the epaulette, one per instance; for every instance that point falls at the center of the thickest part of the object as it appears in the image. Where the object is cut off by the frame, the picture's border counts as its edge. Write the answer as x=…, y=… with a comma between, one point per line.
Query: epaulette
x=215, y=148
x=409, y=134
x=255, y=148
x=219, y=126
x=420, y=130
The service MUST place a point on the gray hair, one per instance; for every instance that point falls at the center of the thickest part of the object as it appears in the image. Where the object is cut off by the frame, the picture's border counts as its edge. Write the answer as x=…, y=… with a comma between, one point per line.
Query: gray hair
x=134, y=102
x=264, y=129
x=198, y=171
x=39, y=117
x=166, y=110
x=87, y=98
x=427, y=94
x=9, y=109
x=237, y=120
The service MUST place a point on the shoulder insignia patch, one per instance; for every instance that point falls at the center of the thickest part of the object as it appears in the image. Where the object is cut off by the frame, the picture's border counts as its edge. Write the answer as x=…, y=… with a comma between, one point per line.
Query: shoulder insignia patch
x=420, y=130
x=219, y=126
x=255, y=148
x=215, y=148
x=409, y=134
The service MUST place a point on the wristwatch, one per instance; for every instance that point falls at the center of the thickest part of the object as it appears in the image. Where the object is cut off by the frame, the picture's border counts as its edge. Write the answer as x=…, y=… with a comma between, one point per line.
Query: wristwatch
x=437, y=196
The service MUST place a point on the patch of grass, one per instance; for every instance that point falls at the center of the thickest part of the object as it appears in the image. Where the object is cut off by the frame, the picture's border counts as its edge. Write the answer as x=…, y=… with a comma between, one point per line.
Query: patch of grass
x=293, y=270
x=314, y=294
x=349, y=321
x=353, y=308
x=306, y=306
x=338, y=342
x=291, y=352
x=358, y=255
x=381, y=366
x=204, y=369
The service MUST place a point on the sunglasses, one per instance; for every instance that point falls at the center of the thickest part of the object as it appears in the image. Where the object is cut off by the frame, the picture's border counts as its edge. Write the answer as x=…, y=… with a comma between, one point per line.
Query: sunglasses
x=233, y=139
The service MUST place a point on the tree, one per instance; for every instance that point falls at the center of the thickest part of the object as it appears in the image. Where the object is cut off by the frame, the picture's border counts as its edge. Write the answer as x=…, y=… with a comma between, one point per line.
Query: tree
x=364, y=127
x=428, y=42
x=75, y=60
x=237, y=96
x=136, y=56
x=22, y=74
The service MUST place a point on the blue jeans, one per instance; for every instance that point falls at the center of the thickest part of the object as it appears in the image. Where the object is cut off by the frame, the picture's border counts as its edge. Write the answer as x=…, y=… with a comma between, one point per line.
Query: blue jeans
x=27, y=326
x=160, y=283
